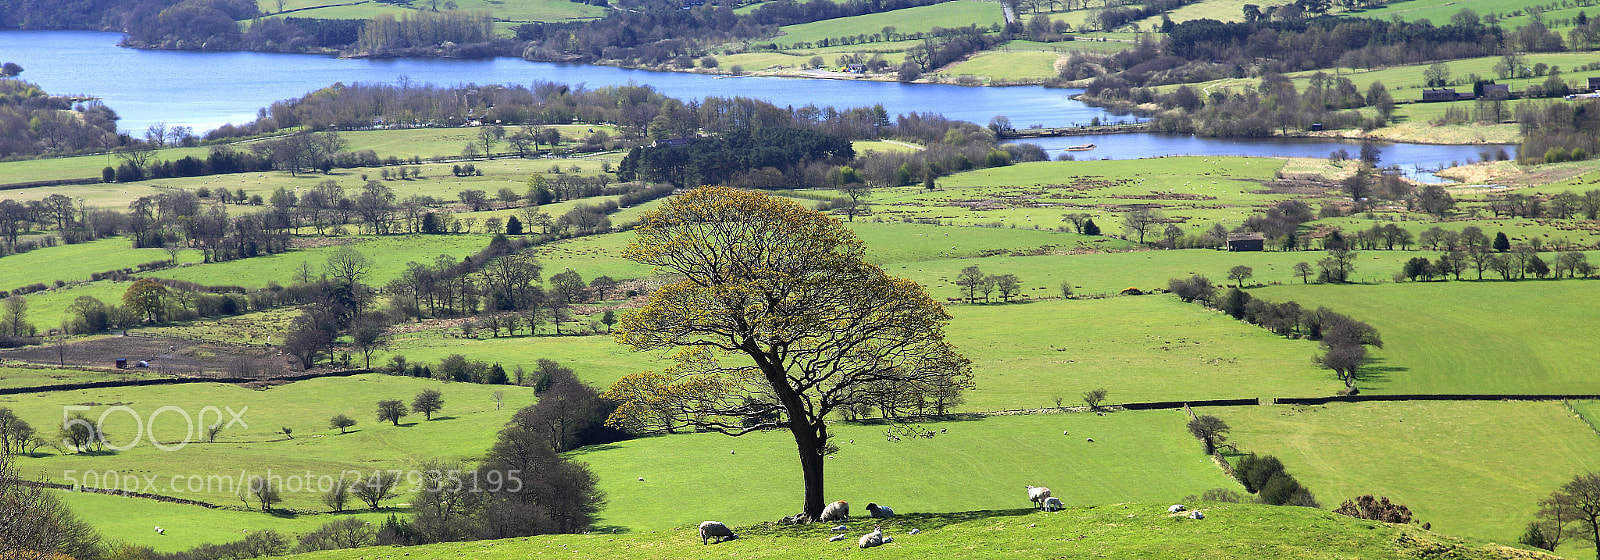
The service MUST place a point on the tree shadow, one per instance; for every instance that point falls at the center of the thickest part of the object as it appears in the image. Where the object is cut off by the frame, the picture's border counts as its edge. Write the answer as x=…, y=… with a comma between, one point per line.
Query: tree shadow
x=587, y=449
x=437, y=418
x=1377, y=372
x=923, y=521
x=616, y=529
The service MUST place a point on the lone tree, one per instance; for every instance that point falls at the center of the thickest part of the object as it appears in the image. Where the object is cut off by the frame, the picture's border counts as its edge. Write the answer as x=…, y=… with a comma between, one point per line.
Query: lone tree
x=428, y=402
x=341, y=422
x=1210, y=430
x=391, y=411
x=1094, y=398
x=1240, y=274
x=789, y=290
x=1140, y=221
x=1578, y=503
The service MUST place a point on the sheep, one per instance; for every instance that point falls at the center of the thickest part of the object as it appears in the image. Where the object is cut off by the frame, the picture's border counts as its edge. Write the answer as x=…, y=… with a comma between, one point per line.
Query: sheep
x=715, y=530
x=1037, y=494
x=836, y=511
x=1052, y=504
x=160, y=531
x=1196, y=515
x=872, y=539
x=836, y=538
x=1175, y=508
x=876, y=510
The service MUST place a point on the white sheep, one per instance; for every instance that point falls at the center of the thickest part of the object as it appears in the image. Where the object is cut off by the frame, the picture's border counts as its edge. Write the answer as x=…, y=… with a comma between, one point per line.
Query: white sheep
x=715, y=530
x=1037, y=494
x=872, y=539
x=837, y=511
x=1052, y=504
x=876, y=510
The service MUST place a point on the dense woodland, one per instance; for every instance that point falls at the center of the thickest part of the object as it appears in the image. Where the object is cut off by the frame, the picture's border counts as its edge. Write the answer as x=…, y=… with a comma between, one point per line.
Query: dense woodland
x=33, y=122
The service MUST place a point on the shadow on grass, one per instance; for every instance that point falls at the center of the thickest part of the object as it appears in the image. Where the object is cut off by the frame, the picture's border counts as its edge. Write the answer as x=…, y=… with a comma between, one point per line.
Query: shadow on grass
x=616, y=529
x=1376, y=372
x=443, y=418
x=858, y=524
x=587, y=449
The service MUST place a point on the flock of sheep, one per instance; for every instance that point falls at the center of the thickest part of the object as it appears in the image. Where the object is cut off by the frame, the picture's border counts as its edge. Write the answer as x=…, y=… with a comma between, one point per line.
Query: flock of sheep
x=840, y=511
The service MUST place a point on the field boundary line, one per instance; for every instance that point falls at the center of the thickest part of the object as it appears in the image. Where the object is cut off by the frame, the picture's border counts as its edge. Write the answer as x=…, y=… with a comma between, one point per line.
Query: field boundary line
x=179, y=381
x=1585, y=419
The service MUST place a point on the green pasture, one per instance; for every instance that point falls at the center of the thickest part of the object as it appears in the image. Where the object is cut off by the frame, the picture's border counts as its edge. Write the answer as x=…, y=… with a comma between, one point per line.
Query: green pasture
x=48, y=309
x=1552, y=233
x=463, y=430
x=250, y=328
x=596, y=358
x=533, y=10
x=1110, y=273
x=1126, y=530
x=133, y=521
x=1143, y=456
x=948, y=15
x=1148, y=348
x=389, y=255
x=1025, y=355
x=365, y=10
x=501, y=10
x=1473, y=469
x=1523, y=337
x=16, y=376
x=1222, y=10
x=72, y=263
x=864, y=146
x=1406, y=83
x=1439, y=12
x=1191, y=191
x=1012, y=66
x=1078, y=45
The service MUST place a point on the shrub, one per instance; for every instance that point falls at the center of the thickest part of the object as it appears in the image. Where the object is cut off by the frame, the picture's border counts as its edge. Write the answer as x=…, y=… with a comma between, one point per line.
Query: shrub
x=1376, y=509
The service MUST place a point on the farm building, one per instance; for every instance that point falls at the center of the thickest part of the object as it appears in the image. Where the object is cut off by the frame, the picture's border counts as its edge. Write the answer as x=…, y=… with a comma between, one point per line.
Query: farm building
x=1496, y=91
x=1440, y=94
x=1246, y=242
x=1594, y=83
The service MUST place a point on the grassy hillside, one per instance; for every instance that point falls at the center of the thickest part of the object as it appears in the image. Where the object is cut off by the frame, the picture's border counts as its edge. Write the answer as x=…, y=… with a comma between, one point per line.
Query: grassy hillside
x=1144, y=456
x=1131, y=530
x=463, y=430
x=948, y=15
x=1468, y=468
x=1469, y=337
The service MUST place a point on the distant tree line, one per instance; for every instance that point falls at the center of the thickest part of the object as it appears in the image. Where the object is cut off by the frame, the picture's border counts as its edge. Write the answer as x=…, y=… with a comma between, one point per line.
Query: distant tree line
x=33, y=122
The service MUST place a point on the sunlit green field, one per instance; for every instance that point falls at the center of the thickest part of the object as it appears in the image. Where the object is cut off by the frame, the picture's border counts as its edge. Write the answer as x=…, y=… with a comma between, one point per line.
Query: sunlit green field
x=1524, y=337
x=1135, y=456
x=1468, y=468
x=948, y=15
x=255, y=445
x=1131, y=530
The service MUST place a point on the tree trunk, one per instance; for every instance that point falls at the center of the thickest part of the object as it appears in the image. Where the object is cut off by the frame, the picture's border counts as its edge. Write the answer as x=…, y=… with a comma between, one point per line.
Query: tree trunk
x=811, y=467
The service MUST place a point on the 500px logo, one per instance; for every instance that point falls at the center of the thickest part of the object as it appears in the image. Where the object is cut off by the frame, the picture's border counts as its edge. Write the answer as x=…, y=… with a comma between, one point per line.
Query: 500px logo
x=81, y=431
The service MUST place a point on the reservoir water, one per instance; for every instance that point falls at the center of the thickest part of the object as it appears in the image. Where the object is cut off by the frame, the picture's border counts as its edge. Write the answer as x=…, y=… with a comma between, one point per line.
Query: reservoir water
x=206, y=89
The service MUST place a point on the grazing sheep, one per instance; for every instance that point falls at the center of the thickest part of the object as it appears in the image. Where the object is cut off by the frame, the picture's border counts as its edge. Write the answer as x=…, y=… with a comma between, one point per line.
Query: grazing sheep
x=160, y=531
x=836, y=538
x=914, y=531
x=872, y=539
x=1037, y=494
x=1175, y=508
x=715, y=530
x=842, y=528
x=1196, y=515
x=876, y=510
x=837, y=511
x=1052, y=504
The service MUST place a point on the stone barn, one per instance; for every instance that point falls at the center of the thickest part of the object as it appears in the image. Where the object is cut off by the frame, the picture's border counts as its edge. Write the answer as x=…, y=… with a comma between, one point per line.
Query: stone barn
x=1246, y=242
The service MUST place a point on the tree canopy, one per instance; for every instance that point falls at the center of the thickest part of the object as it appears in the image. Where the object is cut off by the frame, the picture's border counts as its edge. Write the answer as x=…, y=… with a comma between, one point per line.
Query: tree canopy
x=811, y=326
